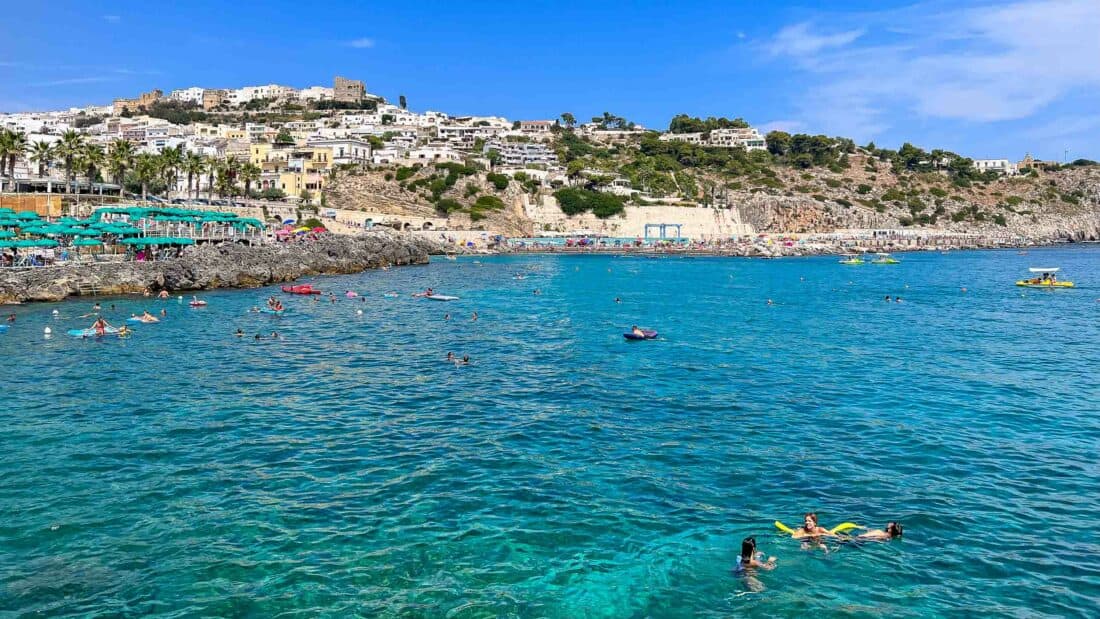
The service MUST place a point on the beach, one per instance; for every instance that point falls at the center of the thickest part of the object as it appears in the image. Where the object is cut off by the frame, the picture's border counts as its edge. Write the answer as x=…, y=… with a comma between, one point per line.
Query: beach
x=347, y=468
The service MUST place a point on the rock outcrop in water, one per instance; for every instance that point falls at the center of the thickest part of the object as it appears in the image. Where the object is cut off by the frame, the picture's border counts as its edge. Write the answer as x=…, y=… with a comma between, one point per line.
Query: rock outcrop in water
x=219, y=266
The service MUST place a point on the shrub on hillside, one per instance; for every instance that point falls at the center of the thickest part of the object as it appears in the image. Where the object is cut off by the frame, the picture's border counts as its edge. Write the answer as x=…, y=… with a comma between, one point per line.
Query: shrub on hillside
x=500, y=181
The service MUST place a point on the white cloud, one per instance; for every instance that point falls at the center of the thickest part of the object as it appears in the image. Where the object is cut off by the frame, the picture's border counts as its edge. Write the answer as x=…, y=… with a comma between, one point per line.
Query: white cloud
x=988, y=64
x=112, y=19
x=797, y=39
x=790, y=126
x=71, y=81
x=363, y=43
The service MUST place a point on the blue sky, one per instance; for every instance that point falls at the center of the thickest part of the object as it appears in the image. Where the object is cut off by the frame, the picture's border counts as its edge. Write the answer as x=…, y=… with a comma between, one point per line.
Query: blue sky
x=986, y=79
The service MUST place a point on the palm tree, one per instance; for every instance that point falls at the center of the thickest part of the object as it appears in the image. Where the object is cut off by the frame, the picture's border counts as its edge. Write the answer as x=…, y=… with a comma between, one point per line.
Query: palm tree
x=211, y=170
x=69, y=149
x=120, y=157
x=7, y=143
x=250, y=173
x=43, y=154
x=18, y=148
x=194, y=164
x=146, y=169
x=12, y=146
x=171, y=159
x=92, y=160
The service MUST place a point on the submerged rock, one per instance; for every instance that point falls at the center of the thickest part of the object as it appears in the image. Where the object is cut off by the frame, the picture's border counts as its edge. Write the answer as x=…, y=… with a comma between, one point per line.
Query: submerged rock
x=229, y=265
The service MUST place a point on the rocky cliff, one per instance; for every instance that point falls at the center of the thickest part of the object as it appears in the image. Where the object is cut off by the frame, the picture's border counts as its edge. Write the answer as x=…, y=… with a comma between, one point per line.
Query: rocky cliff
x=219, y=266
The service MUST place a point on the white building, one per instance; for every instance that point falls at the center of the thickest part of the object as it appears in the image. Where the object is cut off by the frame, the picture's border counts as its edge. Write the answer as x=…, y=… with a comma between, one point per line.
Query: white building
x=316, y=93
x=536, y=126
x=522, y=154
x=748, y=138
x=1000, y=166
x=348, y=150
x=187, y=95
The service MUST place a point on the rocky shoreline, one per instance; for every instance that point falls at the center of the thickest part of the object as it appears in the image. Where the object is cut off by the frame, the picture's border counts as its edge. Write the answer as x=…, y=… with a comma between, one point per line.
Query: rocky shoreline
x=228, y=265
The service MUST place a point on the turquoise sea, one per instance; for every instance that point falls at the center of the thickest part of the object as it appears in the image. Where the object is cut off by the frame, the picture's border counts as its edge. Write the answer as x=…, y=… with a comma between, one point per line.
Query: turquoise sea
x=346, y=469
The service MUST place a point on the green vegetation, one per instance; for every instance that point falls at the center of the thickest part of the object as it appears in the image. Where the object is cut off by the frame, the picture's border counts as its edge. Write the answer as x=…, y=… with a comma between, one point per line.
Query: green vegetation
x=484, y=204
x=682, y=123
x=500, y=181
x=574, y=201
x=177, y=112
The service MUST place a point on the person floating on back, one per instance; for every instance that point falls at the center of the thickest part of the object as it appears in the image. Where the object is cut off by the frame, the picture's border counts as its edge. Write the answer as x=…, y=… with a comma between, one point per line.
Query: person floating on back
x=892, y=530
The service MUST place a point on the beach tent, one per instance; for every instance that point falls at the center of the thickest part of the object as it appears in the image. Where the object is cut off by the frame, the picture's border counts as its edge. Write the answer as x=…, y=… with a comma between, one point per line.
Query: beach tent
x=6, y=234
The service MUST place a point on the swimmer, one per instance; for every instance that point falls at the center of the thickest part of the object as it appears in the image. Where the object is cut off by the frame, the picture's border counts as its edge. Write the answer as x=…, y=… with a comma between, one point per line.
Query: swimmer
x=888, y=298
x=810, y=528
x=465, y=359
x=254, y=310
x=750, y=559
x=146, y=293
x=964, y=289
x=537, y=292
x=239, y=333
x=770, y=302
x=897, y=299
x=95, y=308
x=112, y=307
x=446, y=316
x=147, y=317
x=163, y=294
x=258, y=337
x=274, y=335
x=163, y=312
x=123, y=331
x=618, y=300
x=11, y=317
x=450, y=357
x=892, y=530
x=474, y=317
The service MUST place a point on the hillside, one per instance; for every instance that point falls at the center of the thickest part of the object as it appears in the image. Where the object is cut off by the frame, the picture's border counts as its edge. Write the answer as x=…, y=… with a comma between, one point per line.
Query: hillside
x=800, y=183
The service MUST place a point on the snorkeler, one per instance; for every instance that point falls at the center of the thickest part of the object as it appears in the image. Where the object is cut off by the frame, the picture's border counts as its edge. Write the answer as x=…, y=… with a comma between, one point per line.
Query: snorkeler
x=892, y=530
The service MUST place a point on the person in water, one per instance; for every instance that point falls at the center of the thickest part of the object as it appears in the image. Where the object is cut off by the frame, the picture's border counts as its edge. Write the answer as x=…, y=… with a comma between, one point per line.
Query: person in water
x=95, y=308
x=474, y=317
x=100, y=326
x=750, y=558
x=258, y=337
x=239, y=333
x=163, y=312
x=147, y=317
x=892, y=530
x=274, y=335
x=810, y=527
x=429, y=292
x=451, y=357
x=11, y=317
x=465, y=359
x=163, y=294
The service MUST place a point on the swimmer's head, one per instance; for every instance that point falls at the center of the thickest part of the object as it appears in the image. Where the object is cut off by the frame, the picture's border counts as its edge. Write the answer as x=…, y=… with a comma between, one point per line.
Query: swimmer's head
x=893, y=529
x=748, y=548
x=810, y=521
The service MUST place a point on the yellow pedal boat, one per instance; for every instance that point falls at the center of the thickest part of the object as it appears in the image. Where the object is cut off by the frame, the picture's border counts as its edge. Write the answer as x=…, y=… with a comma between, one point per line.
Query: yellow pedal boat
x=1044, y=278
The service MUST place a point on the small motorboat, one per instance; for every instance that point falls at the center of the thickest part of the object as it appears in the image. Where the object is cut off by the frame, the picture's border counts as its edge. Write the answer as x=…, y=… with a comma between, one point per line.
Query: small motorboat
x=885, y=258
x=647, y=334
x=301, y=289
x=1046, y=278
x=851, y=259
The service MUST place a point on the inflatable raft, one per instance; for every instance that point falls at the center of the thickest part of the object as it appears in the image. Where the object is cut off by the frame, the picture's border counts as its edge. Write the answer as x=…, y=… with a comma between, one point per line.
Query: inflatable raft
x=649, y=335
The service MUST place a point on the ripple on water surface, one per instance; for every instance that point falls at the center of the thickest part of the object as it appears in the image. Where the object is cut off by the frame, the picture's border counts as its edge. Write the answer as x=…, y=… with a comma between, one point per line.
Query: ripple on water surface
x=346, y=468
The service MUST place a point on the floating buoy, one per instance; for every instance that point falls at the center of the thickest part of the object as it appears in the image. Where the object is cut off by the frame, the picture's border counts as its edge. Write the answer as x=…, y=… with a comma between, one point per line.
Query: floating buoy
x=359, y=312
x=47, y=331
x=55, y=312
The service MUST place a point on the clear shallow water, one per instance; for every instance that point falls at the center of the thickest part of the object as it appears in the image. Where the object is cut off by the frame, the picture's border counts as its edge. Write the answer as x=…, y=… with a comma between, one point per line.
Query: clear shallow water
x=347, y=469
